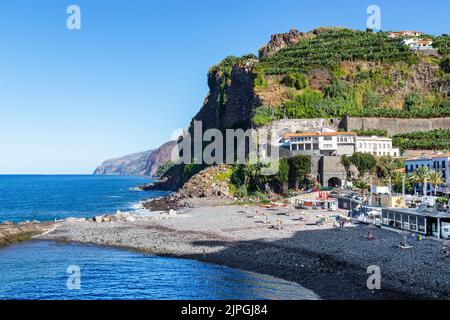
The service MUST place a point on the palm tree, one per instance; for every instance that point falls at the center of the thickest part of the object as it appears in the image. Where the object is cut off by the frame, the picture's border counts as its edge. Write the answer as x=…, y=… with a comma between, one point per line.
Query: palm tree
x=397, y=181
x=421, y=175
x=362, y=186
x=436, y=180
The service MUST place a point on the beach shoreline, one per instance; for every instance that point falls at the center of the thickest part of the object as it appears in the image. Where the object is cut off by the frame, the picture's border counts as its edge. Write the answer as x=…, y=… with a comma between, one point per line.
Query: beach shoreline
x=332, y=262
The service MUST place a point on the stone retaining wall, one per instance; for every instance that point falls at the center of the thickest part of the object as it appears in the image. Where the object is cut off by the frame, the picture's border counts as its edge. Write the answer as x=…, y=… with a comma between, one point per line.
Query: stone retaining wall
x=395, y=125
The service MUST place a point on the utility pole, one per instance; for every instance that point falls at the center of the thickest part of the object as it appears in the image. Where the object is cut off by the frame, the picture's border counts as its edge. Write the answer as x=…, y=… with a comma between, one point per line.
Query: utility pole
x=403, y=186
x=390, y=185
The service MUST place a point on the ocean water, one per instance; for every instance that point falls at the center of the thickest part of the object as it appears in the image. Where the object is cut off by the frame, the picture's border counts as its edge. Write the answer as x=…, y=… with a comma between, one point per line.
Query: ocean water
x=46, y=197
x=39, y=270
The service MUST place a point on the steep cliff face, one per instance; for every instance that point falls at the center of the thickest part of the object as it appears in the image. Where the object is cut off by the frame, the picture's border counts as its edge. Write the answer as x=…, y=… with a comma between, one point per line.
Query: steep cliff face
x=231, y=99
x=158, y=157
x=142, y=163
x=132, y=164
x=326, y=73
x=282, y=40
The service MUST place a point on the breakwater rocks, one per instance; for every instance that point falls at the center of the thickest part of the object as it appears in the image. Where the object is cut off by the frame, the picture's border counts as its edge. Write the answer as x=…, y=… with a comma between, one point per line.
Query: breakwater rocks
x=127, y=217
x=11, y=233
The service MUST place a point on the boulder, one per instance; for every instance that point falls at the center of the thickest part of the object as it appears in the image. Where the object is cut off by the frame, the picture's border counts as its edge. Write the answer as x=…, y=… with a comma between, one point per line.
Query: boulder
x=98, y=219
x=130, y=219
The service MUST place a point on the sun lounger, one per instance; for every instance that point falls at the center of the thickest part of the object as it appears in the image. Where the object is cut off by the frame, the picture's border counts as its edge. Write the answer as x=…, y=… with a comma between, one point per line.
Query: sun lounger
x=402, y=246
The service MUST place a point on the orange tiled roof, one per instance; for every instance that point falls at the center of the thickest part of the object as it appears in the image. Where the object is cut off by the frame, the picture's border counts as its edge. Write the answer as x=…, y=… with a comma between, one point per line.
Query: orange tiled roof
x=424, y=41
x=317, y=134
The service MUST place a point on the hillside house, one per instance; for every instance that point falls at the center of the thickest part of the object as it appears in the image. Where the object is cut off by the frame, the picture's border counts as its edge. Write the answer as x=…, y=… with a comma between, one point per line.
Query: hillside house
x=405, y=33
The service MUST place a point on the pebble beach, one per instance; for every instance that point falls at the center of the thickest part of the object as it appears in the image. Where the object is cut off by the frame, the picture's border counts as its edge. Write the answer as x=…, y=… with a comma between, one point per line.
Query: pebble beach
x=324, y=258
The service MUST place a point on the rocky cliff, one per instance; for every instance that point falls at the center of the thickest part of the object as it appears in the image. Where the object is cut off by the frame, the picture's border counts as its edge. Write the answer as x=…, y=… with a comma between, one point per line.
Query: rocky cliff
x=158, y=157
x=142, y=163
x=326, y=73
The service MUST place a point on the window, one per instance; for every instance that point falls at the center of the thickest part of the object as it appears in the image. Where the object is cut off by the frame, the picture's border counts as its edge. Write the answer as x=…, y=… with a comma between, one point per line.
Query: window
x=328, y=146
x=327, y=138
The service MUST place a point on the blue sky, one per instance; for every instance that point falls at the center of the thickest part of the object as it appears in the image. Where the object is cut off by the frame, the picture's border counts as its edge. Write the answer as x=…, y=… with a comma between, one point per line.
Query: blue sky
x=136, y=70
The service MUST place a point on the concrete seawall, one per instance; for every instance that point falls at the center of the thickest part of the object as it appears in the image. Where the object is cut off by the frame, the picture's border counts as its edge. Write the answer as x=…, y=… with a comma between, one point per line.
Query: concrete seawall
x=12, y=233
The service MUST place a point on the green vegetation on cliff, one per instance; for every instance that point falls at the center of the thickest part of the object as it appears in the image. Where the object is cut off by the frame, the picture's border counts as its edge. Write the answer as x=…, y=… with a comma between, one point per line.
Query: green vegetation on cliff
x=246, y=179
x=371, y=132
x=333, y=46
x=424, y=140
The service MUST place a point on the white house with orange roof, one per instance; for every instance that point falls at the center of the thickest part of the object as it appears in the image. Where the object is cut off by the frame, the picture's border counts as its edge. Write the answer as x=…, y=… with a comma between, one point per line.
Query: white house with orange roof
x=438, y=162
x=332, y=143
x=320, y=143
x=405, y=33
x=419, y=44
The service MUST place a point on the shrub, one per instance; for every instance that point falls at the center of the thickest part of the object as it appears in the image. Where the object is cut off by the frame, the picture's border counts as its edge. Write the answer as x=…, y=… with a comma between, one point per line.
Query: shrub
x=372, y=132
x=412, y=101
x=260, y=80
x=445, y=64
x=371, y=99
x=295, y=80
x=340, y=89
x=264, y=115
x=364, y=162
x=303, y=104
x=299, y=168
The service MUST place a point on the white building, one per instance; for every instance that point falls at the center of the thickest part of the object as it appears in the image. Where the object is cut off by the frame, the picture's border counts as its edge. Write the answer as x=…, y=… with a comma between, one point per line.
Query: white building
x=337, y=144
x=406, y=33
x=320, y=143
x=439, y=163
x=419, y=44
x=378, y=146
